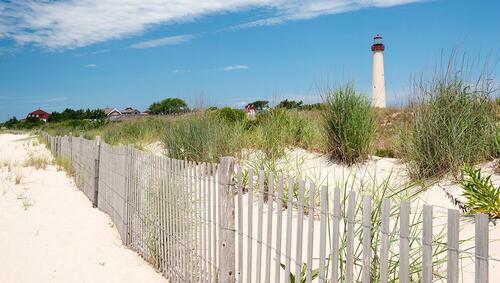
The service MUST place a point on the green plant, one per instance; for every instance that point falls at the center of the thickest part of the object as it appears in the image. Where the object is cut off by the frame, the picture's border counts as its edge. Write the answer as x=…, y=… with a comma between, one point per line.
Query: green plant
x=231, y=115
x=27, y=203
x=64, y=164
x=452, y=123
x=481, y=195
x=303, y=274
x=203, y=138
x=349, y=125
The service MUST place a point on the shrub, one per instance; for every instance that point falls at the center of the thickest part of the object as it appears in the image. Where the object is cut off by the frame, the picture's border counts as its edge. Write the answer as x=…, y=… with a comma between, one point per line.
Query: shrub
x=481, y=195
x=290, y=104
x=453, y=124
x=231, y=115
x=168, y=106
x=349, y=125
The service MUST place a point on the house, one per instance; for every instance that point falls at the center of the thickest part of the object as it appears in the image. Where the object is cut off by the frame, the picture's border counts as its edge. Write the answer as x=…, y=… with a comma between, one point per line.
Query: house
x=112, y=113
x=39, y=114
x=129, y=111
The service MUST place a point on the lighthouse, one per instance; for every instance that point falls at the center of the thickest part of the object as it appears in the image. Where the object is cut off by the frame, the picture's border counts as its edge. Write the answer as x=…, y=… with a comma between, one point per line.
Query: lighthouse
x=378, y=82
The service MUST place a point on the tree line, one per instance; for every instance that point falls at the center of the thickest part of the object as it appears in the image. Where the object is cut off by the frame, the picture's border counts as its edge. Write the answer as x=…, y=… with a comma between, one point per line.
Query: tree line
x=166, y=106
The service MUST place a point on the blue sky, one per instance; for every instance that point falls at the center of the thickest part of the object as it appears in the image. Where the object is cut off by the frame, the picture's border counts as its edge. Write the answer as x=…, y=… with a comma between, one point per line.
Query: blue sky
x=118, y=53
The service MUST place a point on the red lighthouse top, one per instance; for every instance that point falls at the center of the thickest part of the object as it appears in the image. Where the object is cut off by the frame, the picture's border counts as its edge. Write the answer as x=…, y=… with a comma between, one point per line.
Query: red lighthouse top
x=377, y=43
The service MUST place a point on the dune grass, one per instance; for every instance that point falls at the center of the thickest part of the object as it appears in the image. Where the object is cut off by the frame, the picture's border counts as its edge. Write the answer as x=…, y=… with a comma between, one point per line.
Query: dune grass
x=201, y=137
x=452, y=123
x=64, y=164
x=37, y=162
x=349, y=125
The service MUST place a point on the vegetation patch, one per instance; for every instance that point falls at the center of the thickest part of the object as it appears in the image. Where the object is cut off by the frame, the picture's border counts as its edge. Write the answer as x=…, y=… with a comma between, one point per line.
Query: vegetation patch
x=481, y=194
x=453, y=123
x=349, y=125
x=37, y=162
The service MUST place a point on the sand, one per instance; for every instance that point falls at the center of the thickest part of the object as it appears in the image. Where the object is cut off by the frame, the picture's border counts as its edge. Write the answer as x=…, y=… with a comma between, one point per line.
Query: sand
x=49, y=231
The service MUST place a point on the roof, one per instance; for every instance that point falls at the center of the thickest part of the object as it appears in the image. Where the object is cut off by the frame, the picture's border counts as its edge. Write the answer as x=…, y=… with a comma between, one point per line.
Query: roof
x=38, y=112
x=108, y=111
x=129, y=110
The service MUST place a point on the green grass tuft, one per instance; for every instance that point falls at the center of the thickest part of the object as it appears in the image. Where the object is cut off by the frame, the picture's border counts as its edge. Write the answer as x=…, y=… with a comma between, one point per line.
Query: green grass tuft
x=349, y=125
x=453, y=126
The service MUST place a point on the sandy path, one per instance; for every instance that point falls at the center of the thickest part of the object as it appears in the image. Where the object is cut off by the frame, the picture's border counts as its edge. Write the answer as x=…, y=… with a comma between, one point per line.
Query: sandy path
x=49, y=231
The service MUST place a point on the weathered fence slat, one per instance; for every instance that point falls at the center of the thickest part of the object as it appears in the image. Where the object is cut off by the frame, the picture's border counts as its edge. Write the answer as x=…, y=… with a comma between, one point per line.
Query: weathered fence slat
x=350, y=237
x=452, y=264
x=269, y=223
x=367, y=241
x=310, y=232
x=404, y=234
x=279, y=211
x=481, y=248
x=322, y=233
x=288, y=247
x=300, y=222
x=427, y=245
x=209, y=224
x=334, y=251
x=250, y=225
x=259, y=226
x=384, y=240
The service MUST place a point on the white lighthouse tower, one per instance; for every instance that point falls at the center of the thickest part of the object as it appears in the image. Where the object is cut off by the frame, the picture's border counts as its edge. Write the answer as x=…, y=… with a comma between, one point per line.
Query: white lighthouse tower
x=378, y=81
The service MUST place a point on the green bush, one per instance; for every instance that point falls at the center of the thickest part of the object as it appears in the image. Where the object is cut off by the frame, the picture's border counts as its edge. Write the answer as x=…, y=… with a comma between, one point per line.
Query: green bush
x=452, y=125
x=229, y=114
x=349, y=125
x=481, y=195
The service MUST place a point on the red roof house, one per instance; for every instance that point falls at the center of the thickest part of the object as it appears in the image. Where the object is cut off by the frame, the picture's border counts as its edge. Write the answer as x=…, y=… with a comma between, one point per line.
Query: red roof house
x=40, y=114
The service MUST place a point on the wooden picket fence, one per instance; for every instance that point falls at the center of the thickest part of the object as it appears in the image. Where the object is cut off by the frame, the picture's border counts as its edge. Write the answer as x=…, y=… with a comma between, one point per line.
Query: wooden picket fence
x=199, y=222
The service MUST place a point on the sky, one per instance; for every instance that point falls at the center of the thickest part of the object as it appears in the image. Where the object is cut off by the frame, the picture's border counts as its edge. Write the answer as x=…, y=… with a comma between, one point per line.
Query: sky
x=120, y=53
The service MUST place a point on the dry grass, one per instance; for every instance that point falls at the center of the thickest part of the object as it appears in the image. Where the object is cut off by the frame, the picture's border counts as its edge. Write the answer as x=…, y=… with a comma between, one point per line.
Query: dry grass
x=37, y=162
x=64, y=164
x=18, y=179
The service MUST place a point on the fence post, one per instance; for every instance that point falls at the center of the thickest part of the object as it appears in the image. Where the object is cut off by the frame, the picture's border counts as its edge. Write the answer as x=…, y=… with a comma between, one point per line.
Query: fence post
x=227, y=249
x=96, y=170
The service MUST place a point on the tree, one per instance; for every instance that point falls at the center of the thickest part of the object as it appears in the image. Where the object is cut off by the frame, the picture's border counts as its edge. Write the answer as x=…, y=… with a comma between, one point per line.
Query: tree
x=260, y=104
x=168, y=106
x=11, y=123
x=289, y=104
x=70, y=114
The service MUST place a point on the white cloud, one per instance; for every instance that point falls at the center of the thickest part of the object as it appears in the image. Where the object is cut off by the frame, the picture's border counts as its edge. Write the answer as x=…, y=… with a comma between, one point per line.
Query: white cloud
x=91, y=66
x=235, y=68
x=170, y=40
x=181, y=71
x=75, y=23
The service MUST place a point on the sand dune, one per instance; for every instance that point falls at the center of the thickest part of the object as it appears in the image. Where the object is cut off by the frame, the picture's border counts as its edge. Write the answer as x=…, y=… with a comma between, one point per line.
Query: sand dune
x=49, y=231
